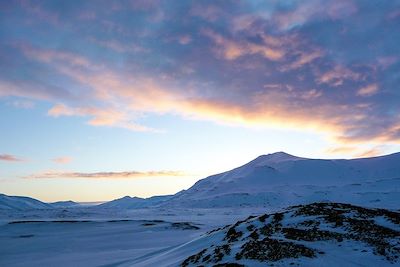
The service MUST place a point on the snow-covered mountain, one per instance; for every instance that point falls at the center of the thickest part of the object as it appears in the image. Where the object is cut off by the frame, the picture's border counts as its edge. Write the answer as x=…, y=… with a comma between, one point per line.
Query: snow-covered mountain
x=128, y=202
x=65, y=204
x=317, y=234
x=21, y=203
x=273, y=180
x=280, y=179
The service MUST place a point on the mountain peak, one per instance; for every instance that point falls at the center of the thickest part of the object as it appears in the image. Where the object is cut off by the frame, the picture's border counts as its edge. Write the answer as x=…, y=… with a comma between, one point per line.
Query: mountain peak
x=280, y=154
x=275, y=158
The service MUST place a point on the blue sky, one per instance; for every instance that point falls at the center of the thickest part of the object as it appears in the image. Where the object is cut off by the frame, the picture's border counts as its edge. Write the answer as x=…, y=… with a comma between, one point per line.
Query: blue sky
x=101, y=100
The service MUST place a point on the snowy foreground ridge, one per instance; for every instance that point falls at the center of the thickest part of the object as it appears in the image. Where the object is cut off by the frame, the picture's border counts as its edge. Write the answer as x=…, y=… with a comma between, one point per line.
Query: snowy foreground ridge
x=317, y=234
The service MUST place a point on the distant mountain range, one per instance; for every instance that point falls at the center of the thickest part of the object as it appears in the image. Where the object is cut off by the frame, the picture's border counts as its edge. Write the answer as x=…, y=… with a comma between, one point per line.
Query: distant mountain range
x=277, y=180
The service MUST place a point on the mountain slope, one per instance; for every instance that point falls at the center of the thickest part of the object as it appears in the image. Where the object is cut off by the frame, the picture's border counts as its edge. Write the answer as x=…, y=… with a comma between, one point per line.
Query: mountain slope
x=21, y=203
x=286, y=179
x=318, y=234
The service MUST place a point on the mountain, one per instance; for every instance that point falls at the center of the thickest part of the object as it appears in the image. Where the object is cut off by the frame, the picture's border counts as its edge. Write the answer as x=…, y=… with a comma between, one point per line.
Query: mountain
x=128, y=202
x=281, y=179
x=317, y=234
x=21, y=203
x=64, y=204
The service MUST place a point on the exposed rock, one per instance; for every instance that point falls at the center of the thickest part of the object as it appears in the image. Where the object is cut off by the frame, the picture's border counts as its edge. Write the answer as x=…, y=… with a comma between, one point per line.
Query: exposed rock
x=296, y=232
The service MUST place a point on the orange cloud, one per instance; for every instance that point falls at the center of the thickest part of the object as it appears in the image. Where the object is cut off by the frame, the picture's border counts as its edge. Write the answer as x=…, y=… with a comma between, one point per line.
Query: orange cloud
x=370, y=153
x=100, y=117
x=342, y=150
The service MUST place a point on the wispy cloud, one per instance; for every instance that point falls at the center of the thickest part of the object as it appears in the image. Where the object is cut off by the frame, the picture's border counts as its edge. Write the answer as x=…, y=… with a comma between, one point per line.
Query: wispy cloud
x=100, y=117
x=23, y=104
x=373, y=152
x=338, y=75
x=62, y=160
x=231, y=49
x=104, y=175
x=368, y=90
x=11, y=158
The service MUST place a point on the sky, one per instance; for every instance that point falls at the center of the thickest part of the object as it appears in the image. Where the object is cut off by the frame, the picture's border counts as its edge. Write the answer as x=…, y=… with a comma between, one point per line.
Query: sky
x=102, y=99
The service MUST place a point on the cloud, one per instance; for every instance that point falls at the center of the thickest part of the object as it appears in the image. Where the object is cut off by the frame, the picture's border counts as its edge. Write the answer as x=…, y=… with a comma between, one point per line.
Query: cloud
x=23, y=104
x=343, y=150
x=119, y=46
x=104, y=175
x=11, y=158
x=185, y=39
x=110, y=117
x=231, y=50
x=303, y=13
x=338, y=75
x=304, y=58
x=373, y=152
x=368, y=90
x=297, y=65
x=55, y=56
x=62, y=160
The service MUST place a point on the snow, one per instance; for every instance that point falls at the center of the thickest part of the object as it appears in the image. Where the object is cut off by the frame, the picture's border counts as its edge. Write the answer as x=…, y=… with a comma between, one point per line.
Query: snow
x=64, y=204
x=21, y=203
x=128, y=202
x=84, y=243
x=123, y=232
x=352, y=250
x=286, y=179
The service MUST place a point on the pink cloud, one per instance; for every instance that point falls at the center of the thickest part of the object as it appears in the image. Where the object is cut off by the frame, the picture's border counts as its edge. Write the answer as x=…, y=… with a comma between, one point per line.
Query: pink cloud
x=231, y=50
x=368, y=90
x=338, y=75
x=8, y=157
x=62, y=160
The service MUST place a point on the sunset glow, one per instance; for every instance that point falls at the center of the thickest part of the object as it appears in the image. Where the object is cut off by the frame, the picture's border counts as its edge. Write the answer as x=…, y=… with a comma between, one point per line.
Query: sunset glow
x=112, y=98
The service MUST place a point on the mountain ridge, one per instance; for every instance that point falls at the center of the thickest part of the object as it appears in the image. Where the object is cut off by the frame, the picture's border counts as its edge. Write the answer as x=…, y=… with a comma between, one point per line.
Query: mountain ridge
x=280, y=175
x=272, y=178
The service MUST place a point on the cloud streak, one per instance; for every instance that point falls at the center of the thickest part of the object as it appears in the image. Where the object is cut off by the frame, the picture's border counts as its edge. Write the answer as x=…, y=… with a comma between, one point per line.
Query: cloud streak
x=104, y=175
x=10, y=158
